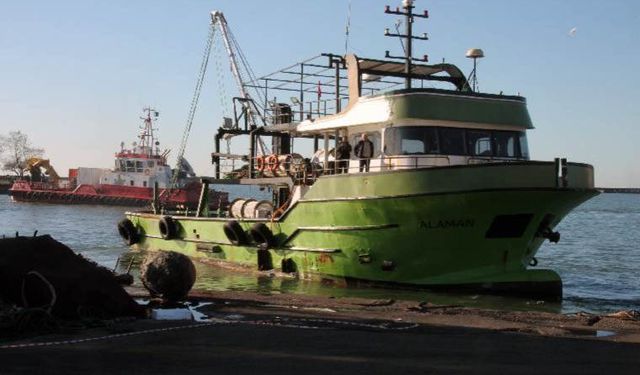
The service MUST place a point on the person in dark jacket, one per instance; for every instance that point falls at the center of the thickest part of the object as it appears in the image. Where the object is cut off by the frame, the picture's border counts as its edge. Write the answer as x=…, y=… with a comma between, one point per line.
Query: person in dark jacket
x=343, y=154
x=364, y=152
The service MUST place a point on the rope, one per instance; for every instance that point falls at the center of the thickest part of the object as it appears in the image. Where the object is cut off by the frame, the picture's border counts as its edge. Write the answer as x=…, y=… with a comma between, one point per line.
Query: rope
x=100, y=338
x=284, y=323
x=52, y=290
x=222, y=92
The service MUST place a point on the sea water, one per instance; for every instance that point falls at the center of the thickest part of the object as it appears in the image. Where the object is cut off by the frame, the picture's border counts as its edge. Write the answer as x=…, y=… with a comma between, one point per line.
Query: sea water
x=598, y=256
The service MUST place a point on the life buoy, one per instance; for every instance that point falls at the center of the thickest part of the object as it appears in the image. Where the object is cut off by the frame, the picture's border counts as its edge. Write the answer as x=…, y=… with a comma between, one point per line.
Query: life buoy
x=272, y=163
x=168, y=228
x=147, y=171
x=128, y=232
x=262, y=235
x=235, y=234
x=260, y=163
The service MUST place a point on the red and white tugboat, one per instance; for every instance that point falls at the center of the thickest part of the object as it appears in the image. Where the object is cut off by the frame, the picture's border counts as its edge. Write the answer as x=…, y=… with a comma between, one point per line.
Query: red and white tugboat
x=129, y=183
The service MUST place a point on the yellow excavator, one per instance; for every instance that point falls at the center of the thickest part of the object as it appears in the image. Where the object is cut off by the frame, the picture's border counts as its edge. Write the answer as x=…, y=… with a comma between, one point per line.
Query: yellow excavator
x=33, y=165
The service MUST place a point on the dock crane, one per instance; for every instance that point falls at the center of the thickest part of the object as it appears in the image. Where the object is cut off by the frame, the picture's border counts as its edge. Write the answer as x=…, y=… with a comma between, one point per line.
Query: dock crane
x=34, y=164
x=251, y=114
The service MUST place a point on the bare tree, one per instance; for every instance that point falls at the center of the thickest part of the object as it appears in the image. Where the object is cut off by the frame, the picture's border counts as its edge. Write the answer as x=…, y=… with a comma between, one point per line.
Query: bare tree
x=17, y=149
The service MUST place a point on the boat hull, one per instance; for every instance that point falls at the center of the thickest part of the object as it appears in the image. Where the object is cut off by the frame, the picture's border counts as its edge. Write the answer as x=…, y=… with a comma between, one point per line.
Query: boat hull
x=405, y=227
x=113, y=195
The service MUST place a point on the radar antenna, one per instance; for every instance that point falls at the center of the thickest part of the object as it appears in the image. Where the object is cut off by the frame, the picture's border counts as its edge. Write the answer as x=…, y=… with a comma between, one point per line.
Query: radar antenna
x=475, y=54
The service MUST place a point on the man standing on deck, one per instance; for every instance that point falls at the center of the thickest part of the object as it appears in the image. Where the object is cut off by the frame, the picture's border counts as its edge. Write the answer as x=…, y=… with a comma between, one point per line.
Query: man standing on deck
x=343, y=154
x=364, y=152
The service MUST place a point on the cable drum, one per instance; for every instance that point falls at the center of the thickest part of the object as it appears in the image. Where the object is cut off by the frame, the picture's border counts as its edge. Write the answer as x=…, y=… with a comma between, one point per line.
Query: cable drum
x=289, y=164
x=243, y=208
x=248, y=207
x=258, y=210
x=235, y=208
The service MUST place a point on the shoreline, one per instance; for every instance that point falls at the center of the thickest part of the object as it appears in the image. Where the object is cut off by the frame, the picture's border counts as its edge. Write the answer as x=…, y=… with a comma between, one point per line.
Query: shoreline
x=575, y=325
x=248, y=332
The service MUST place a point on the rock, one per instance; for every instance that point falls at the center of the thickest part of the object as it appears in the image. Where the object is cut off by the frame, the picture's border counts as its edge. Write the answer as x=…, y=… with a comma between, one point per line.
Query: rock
x=42, y=272
x=169, y=275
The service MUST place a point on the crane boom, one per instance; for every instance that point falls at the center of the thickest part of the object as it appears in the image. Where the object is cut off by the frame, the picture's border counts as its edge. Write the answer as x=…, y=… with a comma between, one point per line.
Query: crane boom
x=37, y=163
x=217, y=18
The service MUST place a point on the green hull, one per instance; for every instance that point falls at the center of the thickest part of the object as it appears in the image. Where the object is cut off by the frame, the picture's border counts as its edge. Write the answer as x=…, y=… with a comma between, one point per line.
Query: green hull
x=472, y=226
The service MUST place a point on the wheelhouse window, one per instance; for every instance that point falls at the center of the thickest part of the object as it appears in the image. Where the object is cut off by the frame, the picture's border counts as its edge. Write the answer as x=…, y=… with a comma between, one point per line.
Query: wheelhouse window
x=452, y=141
x=421, y=140
x=506, y=144
x=479, y=143
x=411, y=141
x=524, y=147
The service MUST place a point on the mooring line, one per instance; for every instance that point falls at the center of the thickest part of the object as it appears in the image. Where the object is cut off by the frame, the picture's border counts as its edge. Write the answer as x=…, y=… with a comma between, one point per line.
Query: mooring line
x=106, y=337
x=283, y=323
x=382, y=326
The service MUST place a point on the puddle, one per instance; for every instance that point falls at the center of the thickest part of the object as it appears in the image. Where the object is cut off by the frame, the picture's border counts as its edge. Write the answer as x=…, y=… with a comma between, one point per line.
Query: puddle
x=600, y=333
x=591, y=333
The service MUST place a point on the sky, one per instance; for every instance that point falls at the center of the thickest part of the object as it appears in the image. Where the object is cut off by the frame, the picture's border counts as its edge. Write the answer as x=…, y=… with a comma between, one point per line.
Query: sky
x=75, y=74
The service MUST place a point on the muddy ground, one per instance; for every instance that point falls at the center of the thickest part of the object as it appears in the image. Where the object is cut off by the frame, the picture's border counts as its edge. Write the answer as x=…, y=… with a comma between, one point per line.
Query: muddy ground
x=244, y=332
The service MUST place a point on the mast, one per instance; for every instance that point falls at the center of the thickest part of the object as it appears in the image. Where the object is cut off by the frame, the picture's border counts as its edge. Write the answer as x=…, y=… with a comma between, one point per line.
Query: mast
x=408, y=37
x=147, y=139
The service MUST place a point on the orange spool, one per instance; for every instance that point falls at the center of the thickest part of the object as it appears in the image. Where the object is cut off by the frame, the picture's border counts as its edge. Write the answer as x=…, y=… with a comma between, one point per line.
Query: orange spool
x=260, y=164
x=272, y=163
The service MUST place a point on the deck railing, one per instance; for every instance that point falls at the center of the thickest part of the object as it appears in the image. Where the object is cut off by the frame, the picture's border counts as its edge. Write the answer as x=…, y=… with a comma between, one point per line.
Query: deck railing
x=306, y=171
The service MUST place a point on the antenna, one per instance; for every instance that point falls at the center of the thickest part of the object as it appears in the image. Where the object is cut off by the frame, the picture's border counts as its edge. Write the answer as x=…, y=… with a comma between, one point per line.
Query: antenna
x=147, y=138
x=408, y=37
x=475, y=54
x=347, y=29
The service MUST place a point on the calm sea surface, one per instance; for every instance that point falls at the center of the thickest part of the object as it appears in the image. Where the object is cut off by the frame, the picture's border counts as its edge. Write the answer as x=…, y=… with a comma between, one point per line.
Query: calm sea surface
x=598, y=256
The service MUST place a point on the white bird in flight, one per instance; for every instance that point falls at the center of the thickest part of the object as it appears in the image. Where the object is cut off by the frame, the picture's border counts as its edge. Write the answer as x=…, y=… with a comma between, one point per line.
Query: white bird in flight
x=572, y=32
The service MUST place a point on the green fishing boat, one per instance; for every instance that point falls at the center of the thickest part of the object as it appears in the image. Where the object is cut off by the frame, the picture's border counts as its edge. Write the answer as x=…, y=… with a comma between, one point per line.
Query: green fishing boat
x=440, y=193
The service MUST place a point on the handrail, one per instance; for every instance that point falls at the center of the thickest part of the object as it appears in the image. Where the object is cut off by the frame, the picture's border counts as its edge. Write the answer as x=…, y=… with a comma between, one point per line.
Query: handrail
x=490, y=159
x=306, y=172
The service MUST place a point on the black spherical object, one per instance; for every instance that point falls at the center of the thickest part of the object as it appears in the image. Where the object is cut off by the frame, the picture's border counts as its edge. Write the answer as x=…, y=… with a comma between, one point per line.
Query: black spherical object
x=169, y=275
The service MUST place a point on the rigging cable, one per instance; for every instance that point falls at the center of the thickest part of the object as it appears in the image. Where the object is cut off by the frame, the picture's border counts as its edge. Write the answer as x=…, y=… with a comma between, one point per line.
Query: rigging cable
x=221, y=85
x=397, y=25
x=194, y=105
x=252, y=77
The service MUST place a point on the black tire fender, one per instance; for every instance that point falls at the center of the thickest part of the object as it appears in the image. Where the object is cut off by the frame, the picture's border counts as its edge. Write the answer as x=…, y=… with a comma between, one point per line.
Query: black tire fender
x=235, y=234
x=168, y=227
x=128, y=232
x=262, y=235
